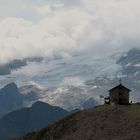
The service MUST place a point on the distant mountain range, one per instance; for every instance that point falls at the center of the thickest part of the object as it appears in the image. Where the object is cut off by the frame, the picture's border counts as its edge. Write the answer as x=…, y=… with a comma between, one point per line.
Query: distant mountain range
x=75, y=82
x=102, y=123
x=13, y=98
x=26, y=120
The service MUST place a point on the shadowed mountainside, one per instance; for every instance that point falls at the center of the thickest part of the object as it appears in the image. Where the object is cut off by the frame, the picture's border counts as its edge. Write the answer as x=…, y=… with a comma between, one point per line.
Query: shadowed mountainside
x=11, y=99
x=26, y=120
x=102, y=123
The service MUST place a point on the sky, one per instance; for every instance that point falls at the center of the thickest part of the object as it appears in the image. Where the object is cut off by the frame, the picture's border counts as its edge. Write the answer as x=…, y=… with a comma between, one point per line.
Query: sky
x=64, y=28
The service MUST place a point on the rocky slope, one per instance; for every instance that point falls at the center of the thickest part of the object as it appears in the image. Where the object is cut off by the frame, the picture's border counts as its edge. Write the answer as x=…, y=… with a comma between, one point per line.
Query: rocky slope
x=102, y=123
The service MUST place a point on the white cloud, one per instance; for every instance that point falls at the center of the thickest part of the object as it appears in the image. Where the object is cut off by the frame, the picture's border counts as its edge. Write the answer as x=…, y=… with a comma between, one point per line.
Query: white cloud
x=64, y=28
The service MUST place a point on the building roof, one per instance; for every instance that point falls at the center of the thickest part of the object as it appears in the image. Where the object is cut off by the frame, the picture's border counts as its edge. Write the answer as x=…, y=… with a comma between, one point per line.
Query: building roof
x=120, y=86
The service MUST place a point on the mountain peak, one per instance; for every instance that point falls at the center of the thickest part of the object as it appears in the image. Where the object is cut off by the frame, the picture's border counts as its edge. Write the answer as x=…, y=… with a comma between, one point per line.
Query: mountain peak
x=40, y=103
x=11, y=86
x=29, y=119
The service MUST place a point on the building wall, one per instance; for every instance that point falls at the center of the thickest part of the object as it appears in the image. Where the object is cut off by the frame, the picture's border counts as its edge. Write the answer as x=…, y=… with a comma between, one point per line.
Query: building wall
x=120, y=96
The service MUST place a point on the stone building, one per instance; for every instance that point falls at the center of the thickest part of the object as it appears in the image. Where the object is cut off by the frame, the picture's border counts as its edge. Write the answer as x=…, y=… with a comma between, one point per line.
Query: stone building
x=118, y=95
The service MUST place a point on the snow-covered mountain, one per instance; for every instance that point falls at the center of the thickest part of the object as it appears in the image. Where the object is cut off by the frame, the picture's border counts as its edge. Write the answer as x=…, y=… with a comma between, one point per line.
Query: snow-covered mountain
x=73, y=70
x=71, y=82
x=67, y=97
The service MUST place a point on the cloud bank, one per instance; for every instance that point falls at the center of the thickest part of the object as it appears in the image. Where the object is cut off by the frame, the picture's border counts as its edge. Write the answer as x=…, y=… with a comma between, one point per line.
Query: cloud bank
x=65, y=28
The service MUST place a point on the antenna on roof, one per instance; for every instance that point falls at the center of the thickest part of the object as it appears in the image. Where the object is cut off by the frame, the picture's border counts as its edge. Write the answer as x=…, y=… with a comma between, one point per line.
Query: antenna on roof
x=120, y=81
